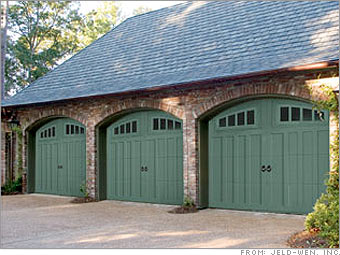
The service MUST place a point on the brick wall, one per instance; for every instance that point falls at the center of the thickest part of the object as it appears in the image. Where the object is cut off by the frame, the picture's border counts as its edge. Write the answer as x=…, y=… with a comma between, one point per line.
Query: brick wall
x=188, y=103
x=3, y=154
x=4, y=170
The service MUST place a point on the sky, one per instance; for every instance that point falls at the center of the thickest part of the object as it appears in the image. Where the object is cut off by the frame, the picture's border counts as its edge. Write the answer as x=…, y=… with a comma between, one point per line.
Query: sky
x=128, y=6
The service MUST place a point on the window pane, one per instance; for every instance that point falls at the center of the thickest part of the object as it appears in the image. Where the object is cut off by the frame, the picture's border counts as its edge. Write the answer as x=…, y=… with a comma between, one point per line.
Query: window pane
x=49, y=132
x=122, y=129
x=41, y=134
x=116, y=131
x=134, y=126
x=295, y=114
x=82, y=130
x=231, y=120
x=45, y=133
x=222, y=122
x=53, y=131
x=307, y=114
x=250, y=117
x=240, y=119
x=67, y=129
x=77, y=129
x=178, y=125
x=163, y=124
x=170, y=124
x=155, y=124
x=72, y=129
x=284, y=114
x=128, y=128
x=319, y=115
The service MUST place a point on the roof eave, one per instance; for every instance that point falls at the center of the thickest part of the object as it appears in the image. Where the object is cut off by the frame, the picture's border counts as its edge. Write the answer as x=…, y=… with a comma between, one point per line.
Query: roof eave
x=314, y=66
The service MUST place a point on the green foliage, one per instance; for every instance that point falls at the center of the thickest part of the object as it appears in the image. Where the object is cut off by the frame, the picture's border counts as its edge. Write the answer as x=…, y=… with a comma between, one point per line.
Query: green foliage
x=98, y=22
x=83, y=190
x=325, y=217
x=40, y=35
x=188, y=202
x=141, y=10
x=11, y=187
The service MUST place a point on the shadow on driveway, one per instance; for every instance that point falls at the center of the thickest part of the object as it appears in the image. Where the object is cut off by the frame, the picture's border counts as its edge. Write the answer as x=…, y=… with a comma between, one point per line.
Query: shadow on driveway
x=42, y=221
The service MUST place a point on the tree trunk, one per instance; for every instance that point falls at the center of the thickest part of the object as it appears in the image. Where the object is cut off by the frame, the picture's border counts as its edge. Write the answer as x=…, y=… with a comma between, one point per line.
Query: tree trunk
x=4, y=11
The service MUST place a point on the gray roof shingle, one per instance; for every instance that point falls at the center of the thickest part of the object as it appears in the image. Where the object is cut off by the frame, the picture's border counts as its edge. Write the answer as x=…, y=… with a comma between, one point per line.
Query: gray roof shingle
x=194, y=41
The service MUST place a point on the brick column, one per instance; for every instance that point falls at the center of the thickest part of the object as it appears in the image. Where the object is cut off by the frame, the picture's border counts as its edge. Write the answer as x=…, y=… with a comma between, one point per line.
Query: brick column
x=24, y=161
x=190, y=158
x=91, y=160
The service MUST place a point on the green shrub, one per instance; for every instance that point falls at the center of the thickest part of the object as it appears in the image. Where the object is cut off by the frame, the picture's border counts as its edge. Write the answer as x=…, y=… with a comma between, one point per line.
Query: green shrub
x=325, y=217
x=188, y=202
x=11, y=186
x=83, y=190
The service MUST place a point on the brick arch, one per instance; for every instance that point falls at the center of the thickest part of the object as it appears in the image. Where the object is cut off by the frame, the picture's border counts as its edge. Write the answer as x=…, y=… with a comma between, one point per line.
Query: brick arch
x=130, y=105
x=50, y=114
x=249, y=90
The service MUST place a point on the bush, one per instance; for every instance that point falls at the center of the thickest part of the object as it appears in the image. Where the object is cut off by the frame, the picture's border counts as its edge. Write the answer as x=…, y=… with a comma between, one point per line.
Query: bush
x=325, y=218
x=188, y=202
x=83, y=190
x=12, y=187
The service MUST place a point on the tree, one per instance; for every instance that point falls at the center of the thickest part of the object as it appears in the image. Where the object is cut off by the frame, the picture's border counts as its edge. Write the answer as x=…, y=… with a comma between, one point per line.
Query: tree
x=41, y=35
x=4, y=19
x=98, y=22
x=141, y=10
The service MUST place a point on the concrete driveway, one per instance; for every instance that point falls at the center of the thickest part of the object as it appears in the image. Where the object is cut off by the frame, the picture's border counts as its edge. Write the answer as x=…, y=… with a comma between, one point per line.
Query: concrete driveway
x=39, y=221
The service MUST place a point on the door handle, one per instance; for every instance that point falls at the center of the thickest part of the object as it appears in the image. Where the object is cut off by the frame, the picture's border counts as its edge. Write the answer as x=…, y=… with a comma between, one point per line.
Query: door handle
x=142, y=169
x=60, y=166
x=146, y=169
x=263, y=168
x=269, y=168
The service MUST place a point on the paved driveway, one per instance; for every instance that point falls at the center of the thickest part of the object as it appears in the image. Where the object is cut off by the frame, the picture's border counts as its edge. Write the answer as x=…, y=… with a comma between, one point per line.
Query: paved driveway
x=37, y=221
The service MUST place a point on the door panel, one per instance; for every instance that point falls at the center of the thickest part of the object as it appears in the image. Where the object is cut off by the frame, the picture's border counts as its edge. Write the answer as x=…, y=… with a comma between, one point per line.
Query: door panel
x=254, y=182
x=152, y=167
x=282, y=134
x=60, y=158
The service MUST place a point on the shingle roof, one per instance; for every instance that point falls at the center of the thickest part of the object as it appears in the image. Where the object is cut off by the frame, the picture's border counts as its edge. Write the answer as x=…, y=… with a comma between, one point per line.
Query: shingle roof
x=194, y=41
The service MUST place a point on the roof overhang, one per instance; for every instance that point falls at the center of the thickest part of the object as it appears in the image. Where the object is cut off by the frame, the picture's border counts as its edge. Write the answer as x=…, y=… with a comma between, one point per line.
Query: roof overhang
x=307, y=67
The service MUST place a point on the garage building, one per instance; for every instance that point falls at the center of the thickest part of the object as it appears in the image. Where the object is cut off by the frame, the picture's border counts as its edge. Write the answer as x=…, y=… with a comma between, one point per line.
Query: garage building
x=211, y=100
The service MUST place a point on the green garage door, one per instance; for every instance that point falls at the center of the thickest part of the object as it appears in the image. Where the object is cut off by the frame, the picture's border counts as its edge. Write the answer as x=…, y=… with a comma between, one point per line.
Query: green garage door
x=268, y=155
x=60, y=158
x=144, y=161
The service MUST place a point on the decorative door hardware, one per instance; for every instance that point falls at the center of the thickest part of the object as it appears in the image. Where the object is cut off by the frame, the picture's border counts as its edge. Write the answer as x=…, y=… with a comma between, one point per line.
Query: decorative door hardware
x=143, y=168
x=268, y=168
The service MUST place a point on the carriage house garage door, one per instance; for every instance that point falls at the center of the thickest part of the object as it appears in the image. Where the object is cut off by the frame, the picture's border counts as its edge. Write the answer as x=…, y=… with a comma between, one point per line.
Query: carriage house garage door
x=60, y=158
x=268, y=155
x=145, y=157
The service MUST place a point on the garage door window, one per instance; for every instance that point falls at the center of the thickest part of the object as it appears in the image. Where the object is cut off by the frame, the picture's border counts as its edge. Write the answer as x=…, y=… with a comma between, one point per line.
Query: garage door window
x=298, y=114
x=165, y=124
x=126, y=128
x=48, y=133
x=240, y=119
x=71, y=129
